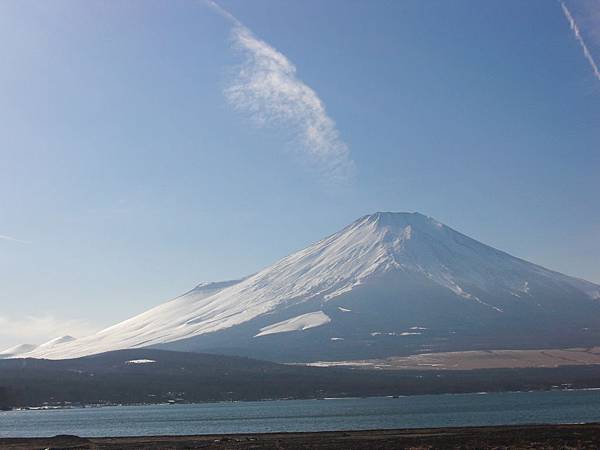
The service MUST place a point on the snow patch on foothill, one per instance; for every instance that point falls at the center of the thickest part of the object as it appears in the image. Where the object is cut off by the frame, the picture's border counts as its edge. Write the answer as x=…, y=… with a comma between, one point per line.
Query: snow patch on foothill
x=298, y=323
x=17, y=350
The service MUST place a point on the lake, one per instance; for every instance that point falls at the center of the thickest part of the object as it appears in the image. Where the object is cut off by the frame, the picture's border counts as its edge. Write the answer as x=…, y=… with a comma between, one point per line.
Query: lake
x=309, y=415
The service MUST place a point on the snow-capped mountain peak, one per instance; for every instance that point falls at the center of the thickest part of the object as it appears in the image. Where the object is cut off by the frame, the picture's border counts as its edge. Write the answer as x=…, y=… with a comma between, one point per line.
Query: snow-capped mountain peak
x=417, y=256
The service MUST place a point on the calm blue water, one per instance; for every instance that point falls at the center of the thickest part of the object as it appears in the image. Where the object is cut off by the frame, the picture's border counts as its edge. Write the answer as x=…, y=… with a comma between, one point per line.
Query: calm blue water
x=309, y=415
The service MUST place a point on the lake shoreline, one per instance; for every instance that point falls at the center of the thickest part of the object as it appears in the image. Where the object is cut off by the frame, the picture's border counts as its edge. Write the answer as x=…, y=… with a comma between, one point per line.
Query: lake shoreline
x=306, y=416
x=283, y=399
x=509, y=437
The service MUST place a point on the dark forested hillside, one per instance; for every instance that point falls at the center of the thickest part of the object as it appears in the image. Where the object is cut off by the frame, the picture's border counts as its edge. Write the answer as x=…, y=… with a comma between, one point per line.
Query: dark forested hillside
x=114, y=377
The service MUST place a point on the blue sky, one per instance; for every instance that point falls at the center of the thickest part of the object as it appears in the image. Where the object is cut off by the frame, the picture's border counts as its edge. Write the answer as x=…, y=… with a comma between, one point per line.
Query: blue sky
x=130, y=174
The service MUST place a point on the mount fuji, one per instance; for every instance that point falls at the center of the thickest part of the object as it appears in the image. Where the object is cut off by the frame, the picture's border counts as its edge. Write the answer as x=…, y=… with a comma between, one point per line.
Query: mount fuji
x=388, y=284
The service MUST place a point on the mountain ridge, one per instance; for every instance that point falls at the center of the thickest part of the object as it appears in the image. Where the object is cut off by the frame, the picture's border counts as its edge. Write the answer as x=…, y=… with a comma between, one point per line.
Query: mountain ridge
x=407, y=266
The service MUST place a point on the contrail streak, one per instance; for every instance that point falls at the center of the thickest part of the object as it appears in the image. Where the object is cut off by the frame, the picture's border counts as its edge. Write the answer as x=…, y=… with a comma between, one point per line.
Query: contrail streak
x=223, y=12
x=577, y=34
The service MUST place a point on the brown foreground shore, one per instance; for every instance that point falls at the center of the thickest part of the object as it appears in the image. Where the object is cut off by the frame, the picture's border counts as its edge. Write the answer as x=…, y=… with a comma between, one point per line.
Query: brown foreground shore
x=584, y=436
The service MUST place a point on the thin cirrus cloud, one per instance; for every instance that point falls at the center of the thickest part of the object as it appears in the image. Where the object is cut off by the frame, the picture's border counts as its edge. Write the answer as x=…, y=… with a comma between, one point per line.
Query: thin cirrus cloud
x=267, y=88
x=4, y=237
x=577, y=33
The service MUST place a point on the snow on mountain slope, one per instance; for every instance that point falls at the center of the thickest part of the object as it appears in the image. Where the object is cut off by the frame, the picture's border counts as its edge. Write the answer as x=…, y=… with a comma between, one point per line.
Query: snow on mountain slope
x=298, y=323
x=17, y=351
x=407, y=246
x=56, y=341
x=23, y=350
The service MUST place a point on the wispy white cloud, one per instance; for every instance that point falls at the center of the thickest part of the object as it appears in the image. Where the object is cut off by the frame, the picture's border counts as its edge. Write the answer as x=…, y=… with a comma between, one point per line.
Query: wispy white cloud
x=577, y=33
x=4, y=237
x=39, y=329
x=267, y=88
